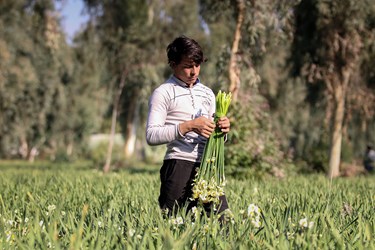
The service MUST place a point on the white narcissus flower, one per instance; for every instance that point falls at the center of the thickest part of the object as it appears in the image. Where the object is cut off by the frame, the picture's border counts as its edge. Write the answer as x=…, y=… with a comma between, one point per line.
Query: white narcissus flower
x=131, y=232
x=253, y=210
x=179, y=220
x=51, y=208
x=256, y=223
x=303, y=222
x=195, y=211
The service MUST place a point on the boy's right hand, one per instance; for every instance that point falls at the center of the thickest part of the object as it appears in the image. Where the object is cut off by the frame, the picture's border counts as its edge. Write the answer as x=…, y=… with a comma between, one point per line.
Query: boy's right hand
x=201, y=125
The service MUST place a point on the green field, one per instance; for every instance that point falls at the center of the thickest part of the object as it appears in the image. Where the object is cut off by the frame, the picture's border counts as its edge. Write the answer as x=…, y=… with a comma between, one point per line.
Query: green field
x=77, y=207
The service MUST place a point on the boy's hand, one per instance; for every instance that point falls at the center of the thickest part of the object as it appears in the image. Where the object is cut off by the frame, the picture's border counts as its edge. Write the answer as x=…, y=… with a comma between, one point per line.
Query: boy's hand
x=224, y=124
x=201, y=125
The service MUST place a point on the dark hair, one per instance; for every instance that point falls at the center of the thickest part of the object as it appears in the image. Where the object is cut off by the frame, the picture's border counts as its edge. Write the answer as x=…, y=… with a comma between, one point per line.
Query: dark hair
x=185, y=47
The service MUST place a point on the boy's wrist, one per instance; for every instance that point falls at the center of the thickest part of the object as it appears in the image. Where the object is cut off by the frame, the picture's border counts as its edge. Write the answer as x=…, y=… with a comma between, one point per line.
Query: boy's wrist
x=185, y=127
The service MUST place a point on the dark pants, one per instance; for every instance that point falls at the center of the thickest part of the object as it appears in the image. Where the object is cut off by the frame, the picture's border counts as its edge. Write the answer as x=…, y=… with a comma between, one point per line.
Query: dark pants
x=369, y=167
x=176, y=186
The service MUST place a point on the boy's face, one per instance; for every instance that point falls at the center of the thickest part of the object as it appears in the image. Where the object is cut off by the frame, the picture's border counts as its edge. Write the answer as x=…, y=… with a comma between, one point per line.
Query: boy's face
x=187, y=71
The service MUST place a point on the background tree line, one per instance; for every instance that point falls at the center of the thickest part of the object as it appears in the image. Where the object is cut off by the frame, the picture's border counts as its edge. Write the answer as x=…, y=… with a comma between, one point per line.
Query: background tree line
x=301, y=74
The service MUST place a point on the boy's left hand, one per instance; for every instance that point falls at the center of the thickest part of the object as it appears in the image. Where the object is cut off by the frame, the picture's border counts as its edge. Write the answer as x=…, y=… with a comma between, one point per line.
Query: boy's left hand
x=224, y=124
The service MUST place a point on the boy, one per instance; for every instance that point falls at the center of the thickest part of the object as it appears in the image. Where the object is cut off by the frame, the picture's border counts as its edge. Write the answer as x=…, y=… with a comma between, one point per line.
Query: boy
x=181, y=115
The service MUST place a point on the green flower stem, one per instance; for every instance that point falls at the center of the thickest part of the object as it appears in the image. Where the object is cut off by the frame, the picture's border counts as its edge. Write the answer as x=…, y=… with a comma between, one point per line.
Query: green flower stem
x=211, y=170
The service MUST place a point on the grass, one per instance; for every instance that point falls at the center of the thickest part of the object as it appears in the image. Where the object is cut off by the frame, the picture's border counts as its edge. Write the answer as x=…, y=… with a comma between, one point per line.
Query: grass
x=74, y=206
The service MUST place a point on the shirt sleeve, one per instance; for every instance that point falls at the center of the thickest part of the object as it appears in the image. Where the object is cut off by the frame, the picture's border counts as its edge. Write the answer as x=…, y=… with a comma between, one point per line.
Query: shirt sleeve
x=157, y=132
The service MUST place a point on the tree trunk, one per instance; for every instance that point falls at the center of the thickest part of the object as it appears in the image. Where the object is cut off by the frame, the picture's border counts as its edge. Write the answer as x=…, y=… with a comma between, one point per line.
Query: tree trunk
x=339, y=94
x=23, y=149
x=116, y=104
x=32, y=154
x=69, y=149
x=234, y=70
x=131, y=127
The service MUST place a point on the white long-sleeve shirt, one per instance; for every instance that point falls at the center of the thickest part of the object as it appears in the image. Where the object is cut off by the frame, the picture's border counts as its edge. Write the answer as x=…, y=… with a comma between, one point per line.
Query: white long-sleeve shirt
x=171, y=104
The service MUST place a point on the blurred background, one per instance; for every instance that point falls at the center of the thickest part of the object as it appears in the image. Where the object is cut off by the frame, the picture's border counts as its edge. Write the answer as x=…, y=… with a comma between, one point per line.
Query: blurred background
x=76, y=75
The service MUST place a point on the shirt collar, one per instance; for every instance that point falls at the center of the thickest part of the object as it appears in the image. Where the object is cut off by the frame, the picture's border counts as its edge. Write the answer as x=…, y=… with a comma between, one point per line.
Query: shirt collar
x=182, y=83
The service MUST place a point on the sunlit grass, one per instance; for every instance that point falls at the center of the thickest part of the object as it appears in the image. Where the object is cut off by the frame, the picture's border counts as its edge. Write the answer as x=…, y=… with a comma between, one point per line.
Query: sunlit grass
x=77, y=207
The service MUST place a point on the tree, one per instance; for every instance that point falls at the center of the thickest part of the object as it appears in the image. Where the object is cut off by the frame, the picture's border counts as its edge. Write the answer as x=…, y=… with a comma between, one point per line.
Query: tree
x=134, y=35
x=250, y=24
x=47, y=89
x=328, y=43
x=31, y=37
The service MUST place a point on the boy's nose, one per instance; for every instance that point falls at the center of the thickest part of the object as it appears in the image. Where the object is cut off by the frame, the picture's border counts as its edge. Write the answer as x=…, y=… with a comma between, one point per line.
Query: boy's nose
x=193, y=71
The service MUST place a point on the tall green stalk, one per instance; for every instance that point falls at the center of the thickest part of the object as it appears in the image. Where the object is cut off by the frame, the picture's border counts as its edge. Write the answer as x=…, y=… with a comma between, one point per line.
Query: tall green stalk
x=210, y=180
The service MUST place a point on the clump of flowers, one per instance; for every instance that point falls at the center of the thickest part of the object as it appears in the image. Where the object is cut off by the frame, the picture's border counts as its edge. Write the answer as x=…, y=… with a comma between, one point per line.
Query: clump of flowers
x=254, y=214
x=304, y=223
x=209, y=183
x=176, y=222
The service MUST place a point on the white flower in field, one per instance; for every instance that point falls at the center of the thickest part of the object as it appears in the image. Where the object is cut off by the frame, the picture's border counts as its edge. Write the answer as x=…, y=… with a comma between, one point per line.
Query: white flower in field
x=26, y=220
x=256, y=223
x=195, y=212
x=177, y=221
x=131, y=232
x=63, y=213
x=194, y=247
x=139, y=236
x=253, y=210
x=51, y=208
x=194, y=209
x=303, y=222
x=254, y=213
x=100, y=224
x=41, y=224
x=242, y=211
x=8, y=235
x=11, y=222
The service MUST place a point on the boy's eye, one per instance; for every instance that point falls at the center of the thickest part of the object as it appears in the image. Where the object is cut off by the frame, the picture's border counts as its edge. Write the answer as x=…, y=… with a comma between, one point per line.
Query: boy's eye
x=190, y=66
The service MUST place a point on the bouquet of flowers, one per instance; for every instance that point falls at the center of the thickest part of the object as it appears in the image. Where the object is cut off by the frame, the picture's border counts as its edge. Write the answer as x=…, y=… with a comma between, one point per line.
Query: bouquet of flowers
x=209, y=182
